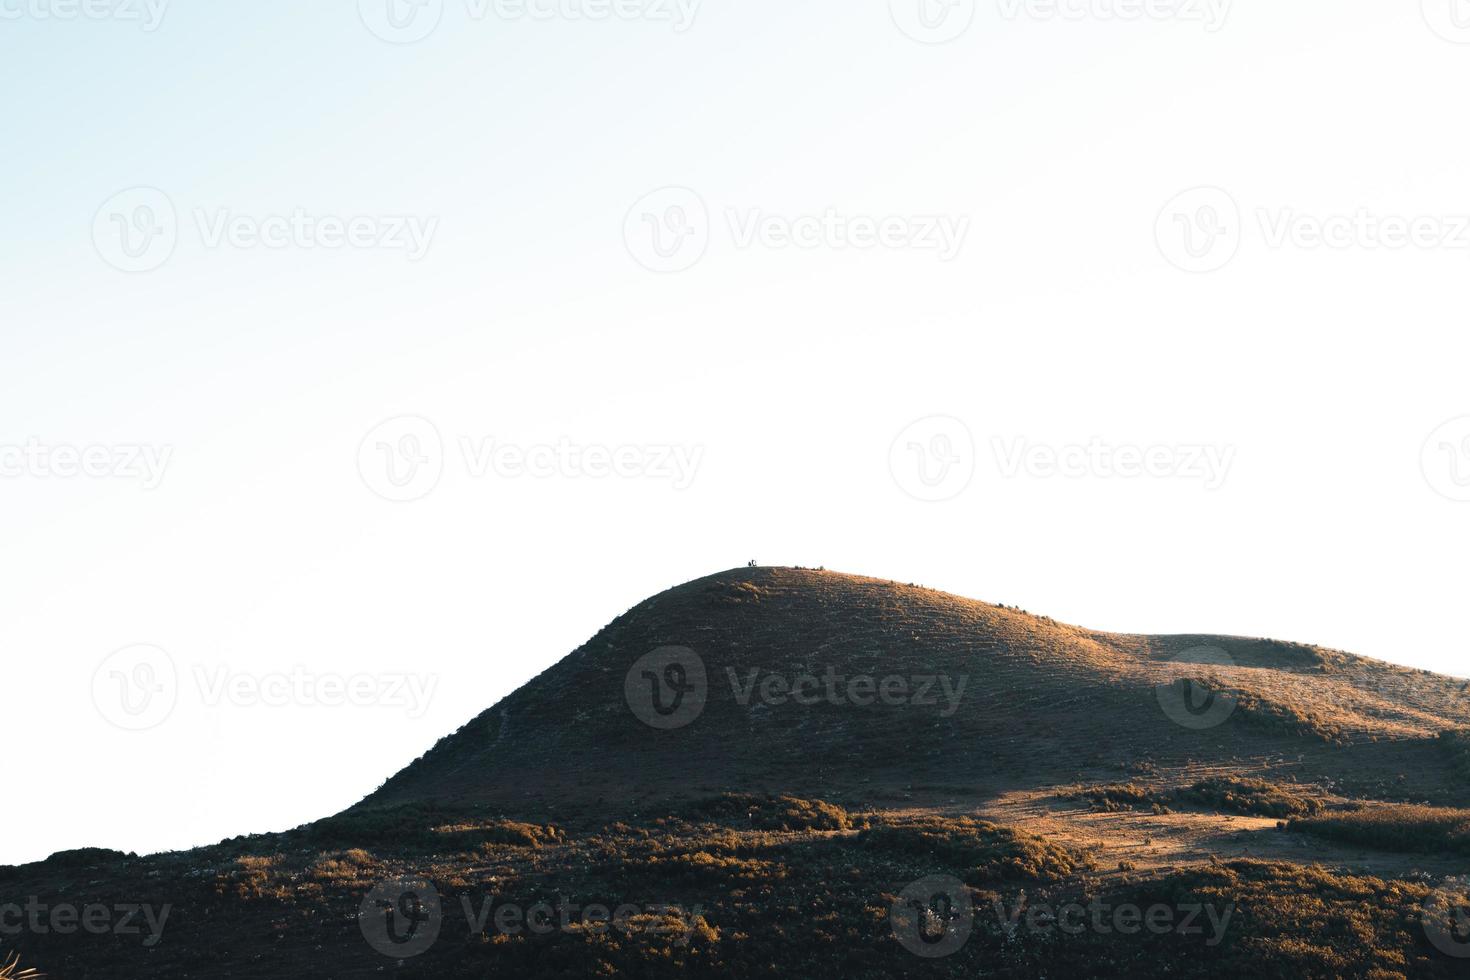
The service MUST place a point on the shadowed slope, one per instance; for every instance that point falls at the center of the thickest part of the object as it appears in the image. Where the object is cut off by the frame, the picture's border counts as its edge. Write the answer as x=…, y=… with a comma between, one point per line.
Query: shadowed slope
x=981, y=697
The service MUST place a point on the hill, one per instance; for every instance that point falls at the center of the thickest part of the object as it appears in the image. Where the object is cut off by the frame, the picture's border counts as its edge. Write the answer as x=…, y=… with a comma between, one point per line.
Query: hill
x=983, y=698
x=772, y=772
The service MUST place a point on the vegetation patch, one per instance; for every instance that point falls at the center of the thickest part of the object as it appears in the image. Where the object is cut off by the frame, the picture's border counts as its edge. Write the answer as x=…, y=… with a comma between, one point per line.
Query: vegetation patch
x=1251, y=797
x=1395, y=828
x=1117, y=797
x=1455, y=744
x=982, y=851
x=772, y=812
x=1272, y=713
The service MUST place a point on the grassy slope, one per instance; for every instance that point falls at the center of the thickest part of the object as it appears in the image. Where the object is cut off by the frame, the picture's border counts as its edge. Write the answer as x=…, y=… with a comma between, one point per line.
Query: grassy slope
x=558, y=792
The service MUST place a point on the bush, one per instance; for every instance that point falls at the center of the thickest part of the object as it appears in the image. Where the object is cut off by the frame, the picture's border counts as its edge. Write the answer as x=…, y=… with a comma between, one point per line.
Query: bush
x=981, y=851
x=1395, y=828
x=1119, y=796
x=1251, y=797
x=773, y=812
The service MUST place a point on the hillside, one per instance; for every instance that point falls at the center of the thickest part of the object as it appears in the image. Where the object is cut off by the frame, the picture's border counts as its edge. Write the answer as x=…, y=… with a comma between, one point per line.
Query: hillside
x=776, y=772
x=1028, y=700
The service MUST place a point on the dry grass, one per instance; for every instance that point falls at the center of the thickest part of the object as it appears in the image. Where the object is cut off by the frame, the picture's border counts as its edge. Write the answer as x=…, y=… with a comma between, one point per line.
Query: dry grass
x=10, y=969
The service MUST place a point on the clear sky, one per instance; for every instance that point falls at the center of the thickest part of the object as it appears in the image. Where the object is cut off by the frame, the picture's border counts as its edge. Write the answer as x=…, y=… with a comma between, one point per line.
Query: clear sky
x=360, y=361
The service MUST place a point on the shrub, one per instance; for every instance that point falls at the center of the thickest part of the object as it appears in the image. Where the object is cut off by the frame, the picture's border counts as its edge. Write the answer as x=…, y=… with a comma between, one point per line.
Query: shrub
x=773, y=812
x=1118, y=796
x=1252, y=797
x=982, y=851
x=1395, y=828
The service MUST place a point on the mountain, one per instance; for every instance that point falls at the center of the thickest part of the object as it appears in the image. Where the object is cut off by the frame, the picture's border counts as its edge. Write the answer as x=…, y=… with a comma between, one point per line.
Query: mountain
x=772, y=772
x=983, y=697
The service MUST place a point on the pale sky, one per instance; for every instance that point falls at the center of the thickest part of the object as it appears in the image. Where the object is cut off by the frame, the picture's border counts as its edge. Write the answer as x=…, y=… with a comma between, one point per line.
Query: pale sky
x=351, y=383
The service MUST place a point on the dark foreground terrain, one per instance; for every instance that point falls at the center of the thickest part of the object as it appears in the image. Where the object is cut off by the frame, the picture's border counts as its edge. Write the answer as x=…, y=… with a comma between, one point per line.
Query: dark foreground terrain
x=785, y=772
